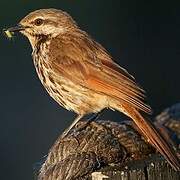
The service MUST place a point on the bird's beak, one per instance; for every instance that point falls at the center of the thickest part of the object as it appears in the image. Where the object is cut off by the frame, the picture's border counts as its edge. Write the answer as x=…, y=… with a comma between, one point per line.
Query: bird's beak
x=17, y=28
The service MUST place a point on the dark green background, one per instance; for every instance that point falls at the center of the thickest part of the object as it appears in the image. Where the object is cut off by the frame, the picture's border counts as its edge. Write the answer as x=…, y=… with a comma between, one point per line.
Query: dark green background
x=141, y=36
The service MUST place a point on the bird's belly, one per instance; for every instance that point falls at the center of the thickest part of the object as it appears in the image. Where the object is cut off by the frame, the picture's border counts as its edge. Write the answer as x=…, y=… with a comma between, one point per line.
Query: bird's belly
x=75, y=97
x=72, y=96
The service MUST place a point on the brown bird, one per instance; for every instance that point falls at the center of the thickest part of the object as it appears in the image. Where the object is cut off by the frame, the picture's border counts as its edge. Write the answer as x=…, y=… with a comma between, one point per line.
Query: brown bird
x=81, y=76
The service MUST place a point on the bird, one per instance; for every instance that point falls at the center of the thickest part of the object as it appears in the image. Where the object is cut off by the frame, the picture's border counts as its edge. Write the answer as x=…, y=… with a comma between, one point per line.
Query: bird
x=82, y=76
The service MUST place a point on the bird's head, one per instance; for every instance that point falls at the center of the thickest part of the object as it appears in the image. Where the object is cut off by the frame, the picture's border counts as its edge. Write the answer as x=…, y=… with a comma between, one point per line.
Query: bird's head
x=46, y=23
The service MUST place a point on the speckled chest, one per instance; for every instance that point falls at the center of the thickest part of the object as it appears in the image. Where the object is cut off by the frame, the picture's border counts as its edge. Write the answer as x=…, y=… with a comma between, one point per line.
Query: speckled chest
x=65, y=94
x=45, y=73
x=68, y=94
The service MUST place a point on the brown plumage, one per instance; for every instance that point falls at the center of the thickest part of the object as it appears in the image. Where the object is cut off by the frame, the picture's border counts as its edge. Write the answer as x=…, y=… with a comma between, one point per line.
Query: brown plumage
x=81, y=76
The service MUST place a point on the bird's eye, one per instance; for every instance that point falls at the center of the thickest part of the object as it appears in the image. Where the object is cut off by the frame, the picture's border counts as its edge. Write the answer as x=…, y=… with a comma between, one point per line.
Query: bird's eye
x=38, y=22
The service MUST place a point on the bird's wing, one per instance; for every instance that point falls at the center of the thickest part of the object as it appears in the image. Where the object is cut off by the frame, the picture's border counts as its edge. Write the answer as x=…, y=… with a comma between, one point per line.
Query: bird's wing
x=102, y=75
x=116, y=82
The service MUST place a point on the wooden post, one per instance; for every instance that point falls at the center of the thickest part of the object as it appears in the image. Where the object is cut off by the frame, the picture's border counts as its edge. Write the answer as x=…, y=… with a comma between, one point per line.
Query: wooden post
x=110, y=150
x=152, y=168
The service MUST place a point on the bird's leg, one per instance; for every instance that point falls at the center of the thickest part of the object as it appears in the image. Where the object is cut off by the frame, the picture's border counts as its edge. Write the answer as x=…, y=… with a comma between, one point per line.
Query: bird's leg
x=79, y=117
x=95, y=116
x=92, y=118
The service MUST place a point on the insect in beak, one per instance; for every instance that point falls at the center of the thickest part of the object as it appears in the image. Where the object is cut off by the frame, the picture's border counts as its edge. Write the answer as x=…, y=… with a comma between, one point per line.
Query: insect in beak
x=9, y=32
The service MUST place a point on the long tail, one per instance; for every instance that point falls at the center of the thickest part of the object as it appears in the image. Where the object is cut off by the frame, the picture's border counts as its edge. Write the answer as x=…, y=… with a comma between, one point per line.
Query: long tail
x=153, y=136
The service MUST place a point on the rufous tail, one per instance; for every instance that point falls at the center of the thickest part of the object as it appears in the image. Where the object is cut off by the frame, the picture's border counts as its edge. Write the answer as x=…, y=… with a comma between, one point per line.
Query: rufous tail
x=153, y=136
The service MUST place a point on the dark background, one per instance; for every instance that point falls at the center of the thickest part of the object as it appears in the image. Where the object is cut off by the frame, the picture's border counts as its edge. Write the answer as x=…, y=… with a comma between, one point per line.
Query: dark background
x=142, y=37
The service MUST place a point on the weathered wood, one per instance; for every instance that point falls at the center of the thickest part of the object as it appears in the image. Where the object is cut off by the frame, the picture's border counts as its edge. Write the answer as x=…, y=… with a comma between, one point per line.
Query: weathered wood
x=109, y=150
x=152, y=168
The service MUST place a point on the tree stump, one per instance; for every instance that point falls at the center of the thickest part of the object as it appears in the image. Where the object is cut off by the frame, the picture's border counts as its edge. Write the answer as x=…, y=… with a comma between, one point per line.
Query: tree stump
x=110, y=150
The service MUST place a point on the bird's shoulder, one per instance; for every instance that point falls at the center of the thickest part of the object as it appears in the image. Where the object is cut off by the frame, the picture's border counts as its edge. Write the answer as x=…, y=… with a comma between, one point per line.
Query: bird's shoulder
x=78, y=47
